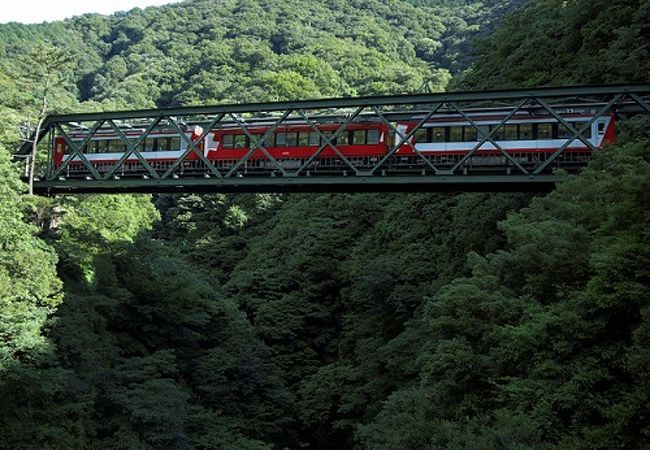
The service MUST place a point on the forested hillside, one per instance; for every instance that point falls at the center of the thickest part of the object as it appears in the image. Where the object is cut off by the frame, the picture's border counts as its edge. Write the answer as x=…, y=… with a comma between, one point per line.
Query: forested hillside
x=401, y=321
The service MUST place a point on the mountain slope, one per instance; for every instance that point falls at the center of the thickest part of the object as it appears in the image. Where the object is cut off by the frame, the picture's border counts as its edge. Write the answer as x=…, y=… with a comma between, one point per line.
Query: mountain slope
x=337, y=321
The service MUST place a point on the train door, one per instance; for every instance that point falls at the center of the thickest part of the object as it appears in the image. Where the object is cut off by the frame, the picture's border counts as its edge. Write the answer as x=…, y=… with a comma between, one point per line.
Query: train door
x=59, y=150
x=398, y=138
x=599, y=131
x=203, y=145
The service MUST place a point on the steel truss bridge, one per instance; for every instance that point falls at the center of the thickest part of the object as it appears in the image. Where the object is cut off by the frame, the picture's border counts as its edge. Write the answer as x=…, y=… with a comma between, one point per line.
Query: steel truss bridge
x=623, y=101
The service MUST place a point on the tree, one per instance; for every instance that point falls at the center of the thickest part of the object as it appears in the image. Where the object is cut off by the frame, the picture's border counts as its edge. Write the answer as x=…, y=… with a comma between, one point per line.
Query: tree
x=31, y=382
x=46, y=67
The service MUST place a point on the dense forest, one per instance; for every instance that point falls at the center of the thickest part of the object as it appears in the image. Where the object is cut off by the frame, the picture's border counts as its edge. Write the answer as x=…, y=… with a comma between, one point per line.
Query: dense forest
x=361, y=321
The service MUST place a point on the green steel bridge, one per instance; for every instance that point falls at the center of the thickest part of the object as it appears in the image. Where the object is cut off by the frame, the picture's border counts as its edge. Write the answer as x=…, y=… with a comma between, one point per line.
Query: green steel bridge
x=622, y=101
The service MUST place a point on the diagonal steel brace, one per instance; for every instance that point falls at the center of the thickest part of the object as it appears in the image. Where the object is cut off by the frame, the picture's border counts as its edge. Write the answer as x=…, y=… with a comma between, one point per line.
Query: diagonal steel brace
x=488, y=137
x=328, y=141
x=575, y=134
x=190, y=149
x=131, y=149
x=266, y=135
x=403, y=139
x=407, y=138
x=76, y=151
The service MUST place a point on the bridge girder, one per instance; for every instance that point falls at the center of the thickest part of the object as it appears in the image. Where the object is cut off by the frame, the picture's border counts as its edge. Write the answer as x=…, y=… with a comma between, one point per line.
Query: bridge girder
x=623, y=100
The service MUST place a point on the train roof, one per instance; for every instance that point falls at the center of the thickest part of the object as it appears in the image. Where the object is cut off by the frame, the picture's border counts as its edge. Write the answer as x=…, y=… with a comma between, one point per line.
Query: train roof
x=443, y=114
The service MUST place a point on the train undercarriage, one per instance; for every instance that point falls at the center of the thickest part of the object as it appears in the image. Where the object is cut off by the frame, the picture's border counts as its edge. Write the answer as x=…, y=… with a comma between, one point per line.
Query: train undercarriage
x=396, y=165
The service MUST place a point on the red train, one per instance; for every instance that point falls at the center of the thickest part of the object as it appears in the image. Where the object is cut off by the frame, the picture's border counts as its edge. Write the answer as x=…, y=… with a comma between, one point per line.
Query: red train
x=444, y=139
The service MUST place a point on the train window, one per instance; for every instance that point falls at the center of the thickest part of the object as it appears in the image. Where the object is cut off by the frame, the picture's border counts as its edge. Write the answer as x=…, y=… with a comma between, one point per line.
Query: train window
x=303, y=138
x=281, y=139
x=526, y=131
x=484, y=130
x=152, y=145
x=455, y=134
x=563, y=132
x=373, y=137
x=328, y=135
x=228, y=141
x=175, y=143
x=469, y=133
x=510, y=132
x=437, y=134
x=269, y=141
x=292, y=139
x=255, y=140
x=116, y=146
x=499, y=134
x=544, y=131
x=265, y=141
x=601, y=127
x=421, y=135
x=132, y=141
x=579, y=125
x=314, y=139
x=89, y=148
x=162, y=144
x=240, y=141
x=359, y=137
x=343, y=139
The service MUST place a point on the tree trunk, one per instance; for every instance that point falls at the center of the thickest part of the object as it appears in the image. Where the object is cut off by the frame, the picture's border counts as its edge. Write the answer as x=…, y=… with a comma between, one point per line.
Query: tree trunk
x=41, y=119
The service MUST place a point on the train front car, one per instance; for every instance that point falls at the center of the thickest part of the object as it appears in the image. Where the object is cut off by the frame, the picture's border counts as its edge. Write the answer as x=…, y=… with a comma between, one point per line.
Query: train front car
x=105, y=149
x=528, y=140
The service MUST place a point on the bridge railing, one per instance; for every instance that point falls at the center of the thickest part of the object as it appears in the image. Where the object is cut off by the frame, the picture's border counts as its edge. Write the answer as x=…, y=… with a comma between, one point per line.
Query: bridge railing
x=133, y=128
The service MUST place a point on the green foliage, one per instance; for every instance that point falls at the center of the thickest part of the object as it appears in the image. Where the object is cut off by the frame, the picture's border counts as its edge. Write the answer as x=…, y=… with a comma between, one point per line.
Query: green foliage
x=330, y=321
x=97, y=224
x=588, y=42
x=543, y=333
x=31, y=386
x=206, y=51
x=29, y=289
x=168, y=362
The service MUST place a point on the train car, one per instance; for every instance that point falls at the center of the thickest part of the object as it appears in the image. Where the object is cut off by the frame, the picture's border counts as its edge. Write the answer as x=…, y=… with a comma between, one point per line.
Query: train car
x=292, y=146
x=528, y=140
x=105, y=148
x=444, y=140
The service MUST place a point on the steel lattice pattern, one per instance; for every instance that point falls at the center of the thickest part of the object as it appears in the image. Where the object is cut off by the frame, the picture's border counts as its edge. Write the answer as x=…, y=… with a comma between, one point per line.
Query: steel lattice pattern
x=133, y=171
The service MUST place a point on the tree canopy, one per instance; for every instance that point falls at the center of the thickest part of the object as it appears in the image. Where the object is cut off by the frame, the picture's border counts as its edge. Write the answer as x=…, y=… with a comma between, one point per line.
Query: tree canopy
x=394, y=321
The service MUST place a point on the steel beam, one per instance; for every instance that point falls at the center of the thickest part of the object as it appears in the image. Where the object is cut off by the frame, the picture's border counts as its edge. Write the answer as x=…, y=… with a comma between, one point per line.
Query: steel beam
x=402, y=183
x=385, y=100
x=550, y=102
